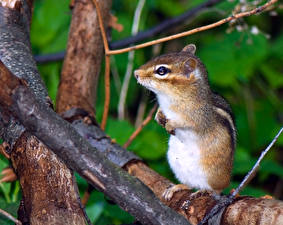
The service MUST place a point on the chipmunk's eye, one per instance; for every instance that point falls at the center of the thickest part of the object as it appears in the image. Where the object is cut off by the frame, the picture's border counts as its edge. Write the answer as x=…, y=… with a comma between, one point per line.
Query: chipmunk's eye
x=162, y=70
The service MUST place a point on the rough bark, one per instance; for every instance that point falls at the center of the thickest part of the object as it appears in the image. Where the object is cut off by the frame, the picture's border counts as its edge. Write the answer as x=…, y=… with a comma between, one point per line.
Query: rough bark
x=83, y=58
x=97, y=138
x=47, y=186
x=49, y=194
x=129, y=193
x=244, y=210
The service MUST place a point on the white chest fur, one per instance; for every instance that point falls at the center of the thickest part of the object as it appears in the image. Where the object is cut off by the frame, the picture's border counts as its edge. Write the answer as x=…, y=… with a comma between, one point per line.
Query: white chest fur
x=165, y=104
x=184, y=159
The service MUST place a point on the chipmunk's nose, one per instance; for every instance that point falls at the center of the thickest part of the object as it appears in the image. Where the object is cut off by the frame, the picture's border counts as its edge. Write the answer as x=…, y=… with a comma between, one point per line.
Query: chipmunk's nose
x=136, y=73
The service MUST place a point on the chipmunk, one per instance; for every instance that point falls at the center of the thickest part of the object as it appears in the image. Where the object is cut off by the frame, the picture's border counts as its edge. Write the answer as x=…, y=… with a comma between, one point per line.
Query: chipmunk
x=201, y=124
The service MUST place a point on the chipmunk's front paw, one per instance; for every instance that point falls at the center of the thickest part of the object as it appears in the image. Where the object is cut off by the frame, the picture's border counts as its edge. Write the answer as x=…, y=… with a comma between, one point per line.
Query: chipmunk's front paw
x=163, y=121
x=170, y=129
x=160, y=118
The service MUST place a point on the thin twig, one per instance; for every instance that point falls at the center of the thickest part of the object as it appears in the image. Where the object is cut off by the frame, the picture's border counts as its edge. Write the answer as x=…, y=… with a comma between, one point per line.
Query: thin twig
x=51, y=57
x=100, y=21
x=141, y=109
x=115, y=74
x=196, y=30
x=86, y=195
x=254, y=169
x=164, y=26
x=139, y=129
x=125, y=86
x=8, y=175
x=10, y=217
x=107, y=66
x=107, y=92
x=219, y=208
x=186, y=33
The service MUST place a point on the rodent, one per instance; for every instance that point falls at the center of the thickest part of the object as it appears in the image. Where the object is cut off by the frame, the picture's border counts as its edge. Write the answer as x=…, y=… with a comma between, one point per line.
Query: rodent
x=203, y=134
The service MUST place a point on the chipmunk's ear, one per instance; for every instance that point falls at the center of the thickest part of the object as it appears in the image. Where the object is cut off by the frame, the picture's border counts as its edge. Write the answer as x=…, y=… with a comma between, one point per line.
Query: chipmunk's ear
x=189, y=66
x=191, y=48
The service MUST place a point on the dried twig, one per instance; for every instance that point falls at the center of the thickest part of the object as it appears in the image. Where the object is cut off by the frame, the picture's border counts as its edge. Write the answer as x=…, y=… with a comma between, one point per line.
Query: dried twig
x=125, y=86
x=10, y=217
x=165, y=26
x=138, y=130
x=107, y=92
x=8, y=175
x=86, y=195
x=219, y=208
x=107, y=66
x=196, y=30
x=252, y=172
x=186, y=33
x=141, y=109
x=3, y=151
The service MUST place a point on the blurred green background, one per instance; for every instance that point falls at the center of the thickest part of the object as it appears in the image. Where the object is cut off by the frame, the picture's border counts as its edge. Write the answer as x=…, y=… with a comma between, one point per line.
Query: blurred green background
x=245, y=65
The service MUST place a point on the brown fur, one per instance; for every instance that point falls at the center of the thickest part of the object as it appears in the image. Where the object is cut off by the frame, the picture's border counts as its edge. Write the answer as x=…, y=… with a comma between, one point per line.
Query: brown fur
x=197, y=105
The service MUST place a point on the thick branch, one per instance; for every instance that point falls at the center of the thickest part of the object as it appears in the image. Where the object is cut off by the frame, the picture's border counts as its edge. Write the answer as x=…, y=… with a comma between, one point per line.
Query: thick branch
x=198, y=206
x=83, y=58
x=119, y=186
x=59, y=135
x=49, y=193
x=78, y=76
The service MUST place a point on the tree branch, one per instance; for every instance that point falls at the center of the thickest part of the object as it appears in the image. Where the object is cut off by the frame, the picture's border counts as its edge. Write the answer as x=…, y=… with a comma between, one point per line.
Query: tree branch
x=140, y=127
x=10, y=217
x=196, y=30
x=253, y=171
x=120, y=187
x=129, y=70
x=141, y=36
x=83, y=59
x=44, y=179
x=107, y=66
x=164, y=26
x=59, y=135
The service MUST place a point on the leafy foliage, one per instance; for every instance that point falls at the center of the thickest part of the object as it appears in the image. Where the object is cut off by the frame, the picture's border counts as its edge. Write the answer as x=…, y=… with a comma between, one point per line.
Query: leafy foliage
x=244, y=66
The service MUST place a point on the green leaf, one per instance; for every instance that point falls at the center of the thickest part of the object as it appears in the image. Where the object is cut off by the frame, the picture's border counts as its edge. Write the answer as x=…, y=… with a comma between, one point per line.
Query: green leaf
x=242, y=162
x=277, y=46
x=10, y=208
x=94, y=210
x=50, y=21
x=233, y=57
x=151, y=144
x=271, y=167
x=51, y=75
x=273, y=76
x=5, y=187
x=120, y=130
x=248, y=190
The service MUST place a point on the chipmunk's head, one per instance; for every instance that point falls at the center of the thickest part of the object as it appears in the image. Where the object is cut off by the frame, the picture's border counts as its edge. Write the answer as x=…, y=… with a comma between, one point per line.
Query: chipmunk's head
x=173, y=72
